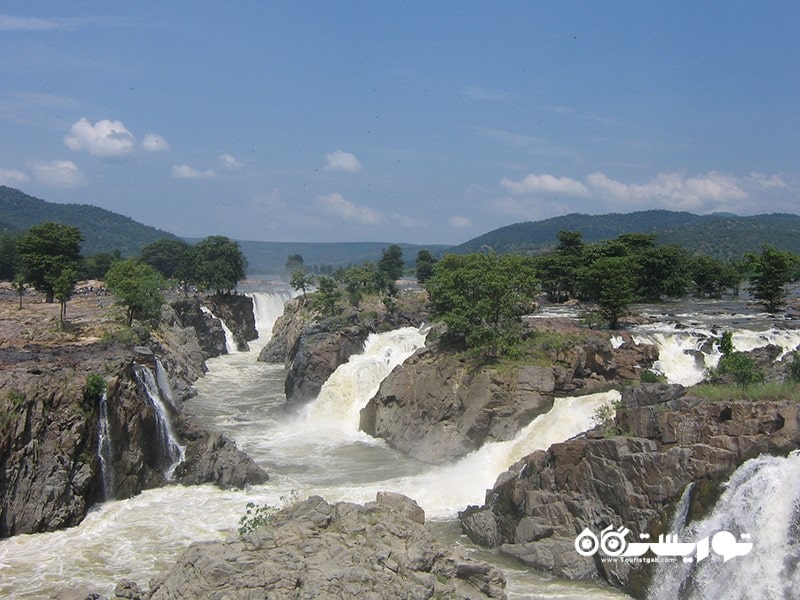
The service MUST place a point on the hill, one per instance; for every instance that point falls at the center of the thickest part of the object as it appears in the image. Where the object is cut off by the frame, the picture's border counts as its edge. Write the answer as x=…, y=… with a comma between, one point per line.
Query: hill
x=104, y=230
x=720, y=235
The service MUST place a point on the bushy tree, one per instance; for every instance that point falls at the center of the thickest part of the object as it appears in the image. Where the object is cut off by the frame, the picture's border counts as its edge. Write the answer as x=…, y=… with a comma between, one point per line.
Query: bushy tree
x=613, y=282
x=64, y=288
x=391, y=262
x=301, y=280
x=138, y=287
x=46, y=251
x=217, y=263
x=773, y=270
x=167, y=256
x=8, y=256
x=424, y=265
x=326, y=296
x=97, y=265
x=481, y=299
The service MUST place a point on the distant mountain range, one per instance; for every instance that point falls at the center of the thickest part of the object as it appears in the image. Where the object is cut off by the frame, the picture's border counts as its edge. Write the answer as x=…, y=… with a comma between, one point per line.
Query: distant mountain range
x=719, y=235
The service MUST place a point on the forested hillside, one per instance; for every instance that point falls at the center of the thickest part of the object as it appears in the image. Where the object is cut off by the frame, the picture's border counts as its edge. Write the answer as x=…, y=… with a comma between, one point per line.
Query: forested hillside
x=105, y=231
x=722, y=236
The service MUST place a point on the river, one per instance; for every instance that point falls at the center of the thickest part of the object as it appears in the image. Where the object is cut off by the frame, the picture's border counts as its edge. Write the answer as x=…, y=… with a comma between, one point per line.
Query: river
x=319, y=451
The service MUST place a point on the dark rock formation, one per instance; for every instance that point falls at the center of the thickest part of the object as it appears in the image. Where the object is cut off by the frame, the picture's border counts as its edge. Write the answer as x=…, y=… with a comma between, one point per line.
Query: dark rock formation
x=285, y=332
x=438, y=407
x=538, y=507
x=317, y=550
x=207, y=330
x=237, y=312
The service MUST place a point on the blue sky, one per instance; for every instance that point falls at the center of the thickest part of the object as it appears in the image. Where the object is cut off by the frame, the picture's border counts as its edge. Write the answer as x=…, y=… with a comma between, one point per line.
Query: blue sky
x=422, y=122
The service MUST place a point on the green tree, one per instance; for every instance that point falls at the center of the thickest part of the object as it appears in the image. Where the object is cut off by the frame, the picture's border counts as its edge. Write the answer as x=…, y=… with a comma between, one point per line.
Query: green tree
x=294, y=262
x=217, y=263
x=326, y=296
x=19, y=286
x=167, y=256
x=138, y=287
x=8, y=256
x=301, y=280
x=663, y=271
x=613, y=281
x=45, y=251
x=773, y=270
x=97, y=265
x=481, y=299
x=391, y=262
x=424, y=265
x=64, y=288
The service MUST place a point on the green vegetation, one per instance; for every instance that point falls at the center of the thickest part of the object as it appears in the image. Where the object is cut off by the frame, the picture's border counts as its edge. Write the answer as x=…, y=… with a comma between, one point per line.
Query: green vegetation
x=423, y=267
x=773, y=269
x=95, y=387
x=138, y=287
x=49, y=252
x=255, y=516
x=391, y=262
x=216, y=264
x=735, y=366
x=481, y=298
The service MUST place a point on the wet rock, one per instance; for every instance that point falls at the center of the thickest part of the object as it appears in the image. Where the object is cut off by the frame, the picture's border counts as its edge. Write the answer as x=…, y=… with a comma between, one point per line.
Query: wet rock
x=318, y=550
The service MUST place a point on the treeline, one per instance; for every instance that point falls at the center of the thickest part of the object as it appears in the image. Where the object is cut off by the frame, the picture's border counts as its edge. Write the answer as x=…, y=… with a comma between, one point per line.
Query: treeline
x=48, y=258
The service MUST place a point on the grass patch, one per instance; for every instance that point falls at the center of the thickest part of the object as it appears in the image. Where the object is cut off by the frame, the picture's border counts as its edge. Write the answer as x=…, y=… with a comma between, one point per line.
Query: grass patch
x=753, y=393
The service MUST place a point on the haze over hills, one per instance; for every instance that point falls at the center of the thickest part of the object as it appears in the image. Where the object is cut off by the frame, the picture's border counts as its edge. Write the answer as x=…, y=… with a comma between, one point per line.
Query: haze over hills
x=719, y=235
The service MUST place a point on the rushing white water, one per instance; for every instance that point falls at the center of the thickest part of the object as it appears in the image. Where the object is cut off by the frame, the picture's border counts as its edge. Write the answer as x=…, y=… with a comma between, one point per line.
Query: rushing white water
x=760, y=506
x=686, y=354
x=164, y=386
x=267, y=307
x=105, y=449
x=139, y=537
x=172, y=451
x=230, y=343
x=350, y=387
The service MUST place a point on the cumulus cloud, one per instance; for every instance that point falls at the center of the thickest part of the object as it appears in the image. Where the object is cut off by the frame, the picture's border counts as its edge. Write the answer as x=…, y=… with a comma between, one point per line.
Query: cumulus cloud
x=336, y=204
x=58, y=173
x=12, y=177
x=460, y=222
x=106, y=139
x=343, y=162
x=153, y=142
x=229, y=162
x=674, y=190
x=767, y=182
x=187, y=172
x=548, y=184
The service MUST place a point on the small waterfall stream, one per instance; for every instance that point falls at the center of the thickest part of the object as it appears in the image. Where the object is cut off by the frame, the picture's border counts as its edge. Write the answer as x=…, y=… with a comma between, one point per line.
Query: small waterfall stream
x=105, y=450
x=171, y=450
x=230, y=343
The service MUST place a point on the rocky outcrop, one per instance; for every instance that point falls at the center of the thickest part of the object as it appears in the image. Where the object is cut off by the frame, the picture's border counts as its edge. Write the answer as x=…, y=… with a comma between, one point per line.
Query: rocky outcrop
x=50, y=470
x=237, y=312
x=285, y=332
x=438, y=406
x=317, y=550
x=541, y=504
x=194, y=323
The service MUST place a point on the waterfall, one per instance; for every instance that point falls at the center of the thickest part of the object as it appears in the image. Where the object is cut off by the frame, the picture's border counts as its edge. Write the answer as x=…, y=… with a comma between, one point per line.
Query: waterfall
x=267, y=307
x=351, y=386
x=685, y=354
x=164, y=386
x=760, y=505
x=444, y=490
x=230, y=343
x=105, y=450
x=171, y=451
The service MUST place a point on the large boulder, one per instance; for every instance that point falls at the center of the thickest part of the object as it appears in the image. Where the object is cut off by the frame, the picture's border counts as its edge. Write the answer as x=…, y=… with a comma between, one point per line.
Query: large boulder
x=318, y=550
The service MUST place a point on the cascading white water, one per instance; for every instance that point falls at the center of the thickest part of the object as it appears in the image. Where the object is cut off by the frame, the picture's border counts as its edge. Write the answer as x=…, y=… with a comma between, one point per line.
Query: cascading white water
x=105, y=450
x=760, y=506
x=171, y=450
x=140, y=537
x=267, y=307
x=350, y=387
x=164, y=387
x=230, y=343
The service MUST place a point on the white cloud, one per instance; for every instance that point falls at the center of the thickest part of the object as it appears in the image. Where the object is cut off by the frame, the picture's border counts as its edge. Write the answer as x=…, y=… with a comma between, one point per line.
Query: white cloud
x=187, y=172
x=460, y=222
x=58, y=173
x=343, y=162
x=229, y=162
x=9, y=23
x=153, y=142
x=536, y=184
x=337, y=205
x=12, y=177
x=712, y=191
x=106, y=139
x=767, y=181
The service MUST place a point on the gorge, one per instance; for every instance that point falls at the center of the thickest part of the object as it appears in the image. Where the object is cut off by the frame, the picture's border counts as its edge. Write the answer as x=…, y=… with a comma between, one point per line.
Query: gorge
x=318, y=450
